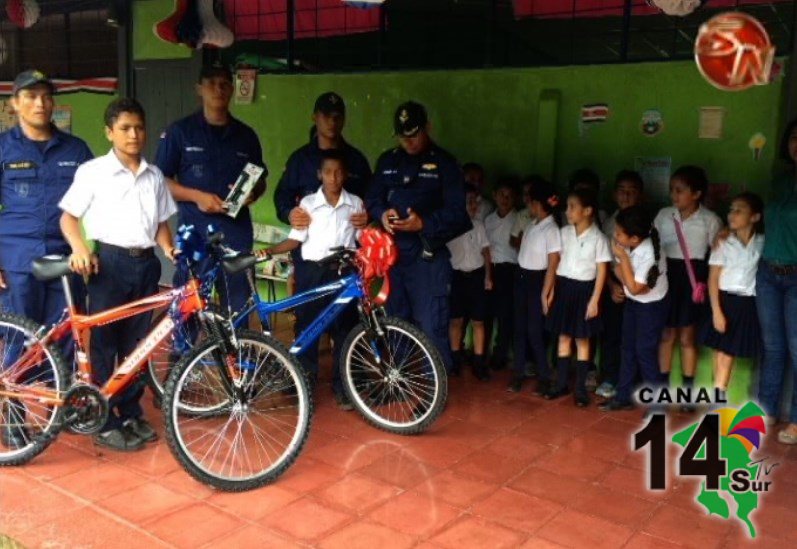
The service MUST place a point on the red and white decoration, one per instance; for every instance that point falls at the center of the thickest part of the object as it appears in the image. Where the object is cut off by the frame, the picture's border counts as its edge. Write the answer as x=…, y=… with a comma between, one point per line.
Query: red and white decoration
x=95, y=85
x=23, y=13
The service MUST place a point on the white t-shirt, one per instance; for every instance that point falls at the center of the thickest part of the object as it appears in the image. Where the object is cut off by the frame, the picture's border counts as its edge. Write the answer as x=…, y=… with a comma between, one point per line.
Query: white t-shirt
x=522, y=220
x=330, y=226
x=119, y=207
x=739, y=264
x=642, y=260
x=582, y=253
x=466, y=249
x=700, y=229
x=498, y=233
x=539, y=239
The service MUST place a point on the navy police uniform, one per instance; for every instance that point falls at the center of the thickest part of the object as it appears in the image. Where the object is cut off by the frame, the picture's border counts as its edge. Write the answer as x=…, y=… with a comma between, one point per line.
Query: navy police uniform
x=432, y=185
x=34, y=176
x=210, y=158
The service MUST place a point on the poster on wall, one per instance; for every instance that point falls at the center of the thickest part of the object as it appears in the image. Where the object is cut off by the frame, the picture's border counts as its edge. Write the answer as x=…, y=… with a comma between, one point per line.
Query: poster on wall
x=62, y=118
x=655, y=172
x=7, y=117
x=756, y=144
x=712, y=121
x=245, y=82
x=652, y=123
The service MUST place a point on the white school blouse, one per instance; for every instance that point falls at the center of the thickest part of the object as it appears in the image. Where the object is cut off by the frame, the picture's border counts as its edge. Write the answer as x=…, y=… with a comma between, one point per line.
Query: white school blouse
x=643, y=258
x=499, y=230
x=700, y=229
x=540, y=238
x=466, y=249
x=119, y=207
x=739, y=264
x=582, y=253
x=330, y=226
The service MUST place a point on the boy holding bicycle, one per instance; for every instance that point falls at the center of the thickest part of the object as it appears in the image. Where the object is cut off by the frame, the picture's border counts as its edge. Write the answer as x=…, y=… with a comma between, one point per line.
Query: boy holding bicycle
x=330, y=209
x=124, y=204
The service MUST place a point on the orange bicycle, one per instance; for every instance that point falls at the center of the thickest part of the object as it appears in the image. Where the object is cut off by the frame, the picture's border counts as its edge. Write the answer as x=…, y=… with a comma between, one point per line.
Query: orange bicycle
x=239, y=415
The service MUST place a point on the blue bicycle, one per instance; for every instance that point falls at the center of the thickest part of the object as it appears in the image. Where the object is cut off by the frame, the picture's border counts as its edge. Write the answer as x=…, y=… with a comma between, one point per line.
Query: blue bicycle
x=391, y=371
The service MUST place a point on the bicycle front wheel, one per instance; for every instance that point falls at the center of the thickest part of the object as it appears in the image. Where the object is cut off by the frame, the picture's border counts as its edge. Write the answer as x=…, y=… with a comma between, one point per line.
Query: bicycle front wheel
x=396, y=381
x=261, y=415
x=31, y=377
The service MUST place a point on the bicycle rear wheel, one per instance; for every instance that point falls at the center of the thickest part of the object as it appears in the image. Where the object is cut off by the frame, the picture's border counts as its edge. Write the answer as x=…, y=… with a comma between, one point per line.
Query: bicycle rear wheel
x=260, y=421
x=28, y=424
x=397, y=382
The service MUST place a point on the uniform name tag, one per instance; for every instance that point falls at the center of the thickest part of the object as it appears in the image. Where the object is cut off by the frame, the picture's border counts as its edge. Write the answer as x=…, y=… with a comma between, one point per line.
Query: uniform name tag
x=194, y=149
x=20, y=165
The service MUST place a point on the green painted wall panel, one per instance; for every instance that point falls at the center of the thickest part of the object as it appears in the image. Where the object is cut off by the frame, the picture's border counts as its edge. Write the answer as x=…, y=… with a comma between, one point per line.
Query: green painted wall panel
x=145, y=44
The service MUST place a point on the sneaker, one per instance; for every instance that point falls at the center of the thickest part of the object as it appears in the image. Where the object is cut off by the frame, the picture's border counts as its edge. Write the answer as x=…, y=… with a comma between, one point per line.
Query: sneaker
x=141, y=428
x=119, y=440
x=554, y=393
x=515, y=384
x=531, y=370
x=615, y=405
x=592, y=380
x=582, y=401
x=605, y=390
x=343, y=402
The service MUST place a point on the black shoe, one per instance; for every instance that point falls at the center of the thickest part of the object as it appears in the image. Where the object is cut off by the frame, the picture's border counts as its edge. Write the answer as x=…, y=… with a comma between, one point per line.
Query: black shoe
x=481, y=373
x=141, y=428
x=553, y=394
x=543, y=388
x=343, y=402
x=515, y=385
x=615, y=405
x=582, y=401
x=120, y=440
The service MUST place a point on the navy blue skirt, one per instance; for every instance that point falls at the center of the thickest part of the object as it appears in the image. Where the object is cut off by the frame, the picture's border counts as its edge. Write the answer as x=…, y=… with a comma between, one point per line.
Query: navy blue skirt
x=742, y=337
x=683, y=311
x=566, y=316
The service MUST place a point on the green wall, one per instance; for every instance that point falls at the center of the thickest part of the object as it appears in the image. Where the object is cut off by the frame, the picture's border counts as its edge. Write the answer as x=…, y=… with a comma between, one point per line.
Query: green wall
x=87, y=122
x=491, y=116
x=146, y=45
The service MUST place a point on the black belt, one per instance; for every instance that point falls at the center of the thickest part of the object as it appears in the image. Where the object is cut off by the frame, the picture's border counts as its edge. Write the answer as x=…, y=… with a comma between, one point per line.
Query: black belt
x=130, y=252
x=782, y=270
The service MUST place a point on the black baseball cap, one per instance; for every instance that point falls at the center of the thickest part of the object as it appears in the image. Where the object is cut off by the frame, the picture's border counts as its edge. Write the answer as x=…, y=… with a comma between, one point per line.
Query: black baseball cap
x=214, y=70
x=410, y=119
x=330, y=103
x=30, y=78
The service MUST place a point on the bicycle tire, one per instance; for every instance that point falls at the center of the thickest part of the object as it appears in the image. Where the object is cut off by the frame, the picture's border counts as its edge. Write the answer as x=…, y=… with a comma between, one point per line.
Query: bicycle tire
x=39, y=441
x=377, y=393
x=272, y=365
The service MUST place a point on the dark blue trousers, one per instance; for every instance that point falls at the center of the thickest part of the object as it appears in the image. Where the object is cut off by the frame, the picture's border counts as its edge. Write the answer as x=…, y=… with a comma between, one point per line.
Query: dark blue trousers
x=611, y=338
x=419, y=293
x=643, y=324
x=530, y=323
x=500, y=310
x=121, y=279
x=308, y=275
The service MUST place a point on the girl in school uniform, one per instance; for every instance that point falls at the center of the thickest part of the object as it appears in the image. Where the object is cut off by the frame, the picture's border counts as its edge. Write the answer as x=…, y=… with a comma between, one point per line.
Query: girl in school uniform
x=580, y=278
x=641, y=268
x=734, y=330
x=538, y=259
x=699, y=227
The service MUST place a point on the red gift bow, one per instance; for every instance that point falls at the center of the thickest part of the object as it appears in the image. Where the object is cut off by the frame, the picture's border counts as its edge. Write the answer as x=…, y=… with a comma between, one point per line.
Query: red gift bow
x=376, y=255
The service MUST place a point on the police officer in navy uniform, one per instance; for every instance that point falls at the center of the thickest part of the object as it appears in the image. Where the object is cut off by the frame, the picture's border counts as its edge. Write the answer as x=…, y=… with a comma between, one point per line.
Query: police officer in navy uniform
x=301, y=172
x=418, y=194
x=201, y=156
x=37, y=165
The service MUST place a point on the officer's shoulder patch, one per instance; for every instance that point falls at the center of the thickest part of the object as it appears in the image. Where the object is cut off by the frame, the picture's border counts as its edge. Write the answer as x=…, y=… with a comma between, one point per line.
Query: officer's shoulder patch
x=19, y=165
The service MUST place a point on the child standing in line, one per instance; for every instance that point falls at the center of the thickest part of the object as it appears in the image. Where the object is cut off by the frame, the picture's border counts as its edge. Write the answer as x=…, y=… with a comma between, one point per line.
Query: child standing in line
x=523, y=218
x=474, y=175
x=699, y=227
x=472, y=277
x=580, y=278
x=628, y=189
x=538, y=259
x=330, y=209
x=641, y=269
x=734, y=330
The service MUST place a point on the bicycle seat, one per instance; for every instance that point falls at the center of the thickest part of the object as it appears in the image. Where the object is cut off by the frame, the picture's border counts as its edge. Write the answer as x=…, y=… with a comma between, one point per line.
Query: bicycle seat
x=238, y=263
x=50, y=267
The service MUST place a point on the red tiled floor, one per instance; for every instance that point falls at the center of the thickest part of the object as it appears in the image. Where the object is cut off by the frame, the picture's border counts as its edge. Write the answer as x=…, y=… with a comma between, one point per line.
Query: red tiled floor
x=498, y=469
x=477, y=532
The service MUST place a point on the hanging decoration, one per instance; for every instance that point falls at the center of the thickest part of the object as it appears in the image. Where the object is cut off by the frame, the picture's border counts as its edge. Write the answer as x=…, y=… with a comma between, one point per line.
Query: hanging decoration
x=733, y=51
x=23, y=13
x=94, y=85
x=679, y=8
x=364, y=4
x=194, y=23
x=214, y=33
x=166, y=30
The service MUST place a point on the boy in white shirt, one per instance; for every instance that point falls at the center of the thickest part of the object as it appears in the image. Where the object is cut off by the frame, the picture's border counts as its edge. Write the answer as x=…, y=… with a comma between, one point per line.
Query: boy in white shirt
x=330, y=209
x=472, y=277
x=125, y=205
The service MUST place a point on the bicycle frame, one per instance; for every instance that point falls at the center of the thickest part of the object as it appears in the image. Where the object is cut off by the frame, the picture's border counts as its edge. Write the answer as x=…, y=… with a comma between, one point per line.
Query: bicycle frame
x=347, y=288
x=184, y=301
